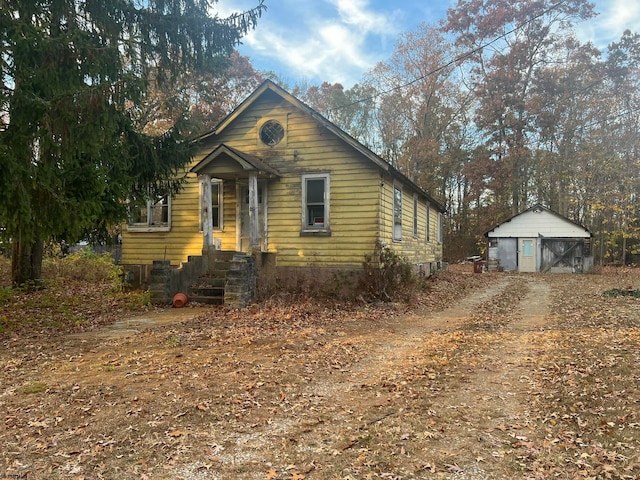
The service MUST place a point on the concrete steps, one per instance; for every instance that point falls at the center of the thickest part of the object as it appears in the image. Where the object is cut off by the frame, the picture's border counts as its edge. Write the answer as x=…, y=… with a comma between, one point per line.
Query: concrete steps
x=209, y=288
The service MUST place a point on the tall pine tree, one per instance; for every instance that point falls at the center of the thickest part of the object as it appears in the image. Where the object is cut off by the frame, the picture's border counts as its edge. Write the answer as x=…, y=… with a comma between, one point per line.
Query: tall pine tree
x=72, y=73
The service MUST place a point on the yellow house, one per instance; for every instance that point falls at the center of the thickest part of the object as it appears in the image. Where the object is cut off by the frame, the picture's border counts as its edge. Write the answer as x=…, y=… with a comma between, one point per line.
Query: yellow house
x=275, y=177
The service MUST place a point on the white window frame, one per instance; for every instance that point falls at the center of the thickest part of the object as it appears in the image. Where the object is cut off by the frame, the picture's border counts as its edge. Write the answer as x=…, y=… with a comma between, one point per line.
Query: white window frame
x=397, y=233
x=415, y=215
x=149, y=225
x=325, y=226
x=220, y=183
x=439, y=227
x=428, y=228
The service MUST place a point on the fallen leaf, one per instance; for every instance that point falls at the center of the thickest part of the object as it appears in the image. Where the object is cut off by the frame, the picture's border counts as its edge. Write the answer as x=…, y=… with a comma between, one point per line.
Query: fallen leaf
x=271, y=474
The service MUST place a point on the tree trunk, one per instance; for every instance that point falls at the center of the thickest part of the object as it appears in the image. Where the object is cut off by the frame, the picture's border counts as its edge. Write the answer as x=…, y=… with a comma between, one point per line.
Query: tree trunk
x=26, y=262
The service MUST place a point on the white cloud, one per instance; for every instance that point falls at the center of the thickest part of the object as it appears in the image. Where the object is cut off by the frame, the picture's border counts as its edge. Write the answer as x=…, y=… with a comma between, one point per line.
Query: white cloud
x=315, y=40
x=328, y=40
x=360, y=14
x=621, y=14
x=343, y=45
x=339, y=40
x=332, y=52
x=614, y=17
x=226, y=8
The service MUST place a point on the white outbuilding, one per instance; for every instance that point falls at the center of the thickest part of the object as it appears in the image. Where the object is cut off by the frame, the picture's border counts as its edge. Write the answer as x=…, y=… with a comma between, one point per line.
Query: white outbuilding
x=539, y=240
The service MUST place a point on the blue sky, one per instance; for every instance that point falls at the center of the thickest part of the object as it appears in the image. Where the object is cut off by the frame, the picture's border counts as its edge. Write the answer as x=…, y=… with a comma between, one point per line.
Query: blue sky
x=340, y=40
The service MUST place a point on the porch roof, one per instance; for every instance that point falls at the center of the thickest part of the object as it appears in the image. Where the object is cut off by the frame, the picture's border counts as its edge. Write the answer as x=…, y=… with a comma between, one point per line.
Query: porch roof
x=227, y=162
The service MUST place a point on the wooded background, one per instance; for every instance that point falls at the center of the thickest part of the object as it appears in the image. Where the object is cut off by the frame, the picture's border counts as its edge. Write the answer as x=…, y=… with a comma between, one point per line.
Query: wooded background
x=496, y=109
x=493, y=110
x=501, y=107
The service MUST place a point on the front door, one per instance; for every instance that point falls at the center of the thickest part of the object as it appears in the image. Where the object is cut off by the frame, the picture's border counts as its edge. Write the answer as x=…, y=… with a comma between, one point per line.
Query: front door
x=243, y=242
x=527, y=255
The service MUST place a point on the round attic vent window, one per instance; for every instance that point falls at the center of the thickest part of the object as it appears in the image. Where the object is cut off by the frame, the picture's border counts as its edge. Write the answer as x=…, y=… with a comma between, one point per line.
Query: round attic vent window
x=271, y=133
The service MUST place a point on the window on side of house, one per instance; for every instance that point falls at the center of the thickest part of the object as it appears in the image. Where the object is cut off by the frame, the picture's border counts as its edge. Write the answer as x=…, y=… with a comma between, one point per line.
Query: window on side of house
x=271, y=133
x=216, y=203
x=439, y=228
x=155, y=216
x=428, y=220
x=397, y=213
x=315, y=202
x=415, y=216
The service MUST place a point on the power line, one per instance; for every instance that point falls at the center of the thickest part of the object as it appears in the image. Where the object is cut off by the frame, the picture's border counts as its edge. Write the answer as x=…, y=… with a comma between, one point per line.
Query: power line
x=457, y=59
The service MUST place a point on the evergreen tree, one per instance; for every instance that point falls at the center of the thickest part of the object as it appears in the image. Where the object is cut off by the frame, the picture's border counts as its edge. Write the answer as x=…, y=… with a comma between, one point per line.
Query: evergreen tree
x=72, y=73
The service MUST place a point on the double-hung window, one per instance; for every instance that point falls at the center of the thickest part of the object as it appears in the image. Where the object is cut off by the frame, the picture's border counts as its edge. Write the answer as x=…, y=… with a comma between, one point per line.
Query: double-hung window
x=428, y=222
x=397, y=213
x=315, y=202
x=154, y=216
x=415, y=216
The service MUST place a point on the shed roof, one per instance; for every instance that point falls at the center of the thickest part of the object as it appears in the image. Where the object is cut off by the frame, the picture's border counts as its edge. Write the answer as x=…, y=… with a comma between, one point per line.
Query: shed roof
x=536, y=221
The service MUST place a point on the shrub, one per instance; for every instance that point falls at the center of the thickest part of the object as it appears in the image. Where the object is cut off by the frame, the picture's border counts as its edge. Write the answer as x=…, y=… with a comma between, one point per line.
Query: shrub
x=85, y=266
x=387, y=276
x=5, y=271
x=80, y=290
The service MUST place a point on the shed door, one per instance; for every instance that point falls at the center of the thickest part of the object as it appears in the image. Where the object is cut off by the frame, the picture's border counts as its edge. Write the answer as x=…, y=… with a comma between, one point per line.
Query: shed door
x=508, y=254
x=527, y=255
x=562, y=255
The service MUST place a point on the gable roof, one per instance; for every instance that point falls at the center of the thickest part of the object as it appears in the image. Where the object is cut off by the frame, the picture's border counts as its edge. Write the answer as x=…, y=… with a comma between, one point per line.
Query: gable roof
x=247, y=161
x=538, y=207
x=378, y=161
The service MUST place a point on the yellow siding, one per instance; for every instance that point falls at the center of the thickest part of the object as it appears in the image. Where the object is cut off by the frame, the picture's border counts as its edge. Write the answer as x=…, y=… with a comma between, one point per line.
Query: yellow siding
x=415, y=249
x=309, y=149
x=183, y=240
x=356, y=192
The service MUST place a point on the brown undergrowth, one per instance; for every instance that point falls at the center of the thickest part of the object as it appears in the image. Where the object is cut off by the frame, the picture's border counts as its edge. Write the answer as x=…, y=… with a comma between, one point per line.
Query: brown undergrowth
x=466, y=382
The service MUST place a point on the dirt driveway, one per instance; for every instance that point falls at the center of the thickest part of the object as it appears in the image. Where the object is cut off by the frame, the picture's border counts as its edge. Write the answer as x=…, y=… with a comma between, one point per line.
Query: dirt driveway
x=488, y=376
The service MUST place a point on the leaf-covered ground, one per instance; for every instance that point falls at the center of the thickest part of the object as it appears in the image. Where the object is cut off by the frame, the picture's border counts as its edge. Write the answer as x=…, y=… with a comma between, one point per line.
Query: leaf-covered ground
x=486, y=376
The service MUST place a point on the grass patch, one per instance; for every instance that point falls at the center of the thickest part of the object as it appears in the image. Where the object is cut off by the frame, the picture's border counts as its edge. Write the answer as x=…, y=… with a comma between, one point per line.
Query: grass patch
x=617, y=292
x=6, y=294
x=78, y=292
x=173, y=341
x=31, y=388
